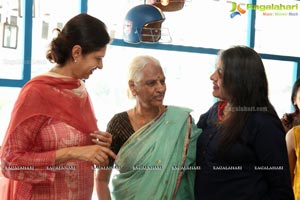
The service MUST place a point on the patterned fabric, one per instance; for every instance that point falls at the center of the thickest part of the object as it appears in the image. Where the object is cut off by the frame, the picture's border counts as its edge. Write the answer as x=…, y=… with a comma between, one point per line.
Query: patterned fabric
x=71, y=180
x=5, y=192
x=296, y=185
x=51, y=113
x=121, y=129
x=161, y=155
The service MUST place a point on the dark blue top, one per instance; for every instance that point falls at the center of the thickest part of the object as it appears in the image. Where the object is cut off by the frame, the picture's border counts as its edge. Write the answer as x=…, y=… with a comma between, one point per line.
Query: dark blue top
x=256, y=169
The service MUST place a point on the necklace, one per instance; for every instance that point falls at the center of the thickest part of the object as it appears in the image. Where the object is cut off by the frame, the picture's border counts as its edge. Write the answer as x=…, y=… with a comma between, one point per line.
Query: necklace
x=141, y=121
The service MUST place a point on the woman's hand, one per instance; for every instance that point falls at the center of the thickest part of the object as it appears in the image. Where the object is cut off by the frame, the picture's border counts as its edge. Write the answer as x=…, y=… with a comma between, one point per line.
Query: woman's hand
x=96, y=154
x=102, y=138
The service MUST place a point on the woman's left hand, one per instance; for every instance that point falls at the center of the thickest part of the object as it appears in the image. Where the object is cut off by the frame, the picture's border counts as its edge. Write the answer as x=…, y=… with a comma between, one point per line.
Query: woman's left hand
x=102, y=138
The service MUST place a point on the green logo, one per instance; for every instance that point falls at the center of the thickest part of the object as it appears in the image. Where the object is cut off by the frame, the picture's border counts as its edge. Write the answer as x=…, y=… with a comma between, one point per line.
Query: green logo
x=241, y=8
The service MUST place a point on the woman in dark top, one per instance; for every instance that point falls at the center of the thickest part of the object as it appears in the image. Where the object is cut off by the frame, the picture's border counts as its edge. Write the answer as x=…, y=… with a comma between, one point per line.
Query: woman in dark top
x=241, y=151
x=153, y=142
x=120, y=122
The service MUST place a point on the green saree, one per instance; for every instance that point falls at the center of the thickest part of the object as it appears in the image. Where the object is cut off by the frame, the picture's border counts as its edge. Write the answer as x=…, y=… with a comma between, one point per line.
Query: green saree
x=151, y=160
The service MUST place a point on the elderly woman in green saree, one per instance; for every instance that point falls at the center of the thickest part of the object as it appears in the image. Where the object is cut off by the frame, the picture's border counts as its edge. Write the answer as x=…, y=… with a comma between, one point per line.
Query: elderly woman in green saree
x=155, y=143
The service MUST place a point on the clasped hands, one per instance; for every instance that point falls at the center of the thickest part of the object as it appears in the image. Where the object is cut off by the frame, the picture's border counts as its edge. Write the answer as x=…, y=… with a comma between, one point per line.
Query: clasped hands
x=102, y=149
x=98, y=153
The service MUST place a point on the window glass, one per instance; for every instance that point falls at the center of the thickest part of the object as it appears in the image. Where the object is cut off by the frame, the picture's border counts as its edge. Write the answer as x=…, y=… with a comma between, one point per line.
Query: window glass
x=207, y=24
x=280, y=76
x=11, y=29
x=275, y=28
x=48, y=16
x=198, y=23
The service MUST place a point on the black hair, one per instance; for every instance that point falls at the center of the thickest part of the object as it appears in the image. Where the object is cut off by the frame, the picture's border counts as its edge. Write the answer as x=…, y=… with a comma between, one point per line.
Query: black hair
x=84, y=30
x=296, y=87
x=245, y=83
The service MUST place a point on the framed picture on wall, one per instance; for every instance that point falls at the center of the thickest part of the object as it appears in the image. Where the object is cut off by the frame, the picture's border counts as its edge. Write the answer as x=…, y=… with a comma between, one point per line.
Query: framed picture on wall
x=10, y=36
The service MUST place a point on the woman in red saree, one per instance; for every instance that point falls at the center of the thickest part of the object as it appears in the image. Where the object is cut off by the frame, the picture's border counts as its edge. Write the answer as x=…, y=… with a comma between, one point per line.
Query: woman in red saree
x=53, y=141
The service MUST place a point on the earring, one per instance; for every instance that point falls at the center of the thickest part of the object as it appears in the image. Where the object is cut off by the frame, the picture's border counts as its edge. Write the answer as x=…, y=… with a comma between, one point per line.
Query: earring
x=75, y=61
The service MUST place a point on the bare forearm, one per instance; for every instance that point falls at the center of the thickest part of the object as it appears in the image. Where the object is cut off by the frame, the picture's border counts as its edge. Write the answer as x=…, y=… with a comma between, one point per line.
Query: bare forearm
x=63, y=155
x=103, y=191
x=102, y=181
x=93, y=153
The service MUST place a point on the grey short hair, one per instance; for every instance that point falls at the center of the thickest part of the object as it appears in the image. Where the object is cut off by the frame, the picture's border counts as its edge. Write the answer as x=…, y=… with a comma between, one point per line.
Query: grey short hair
x=136, y=65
